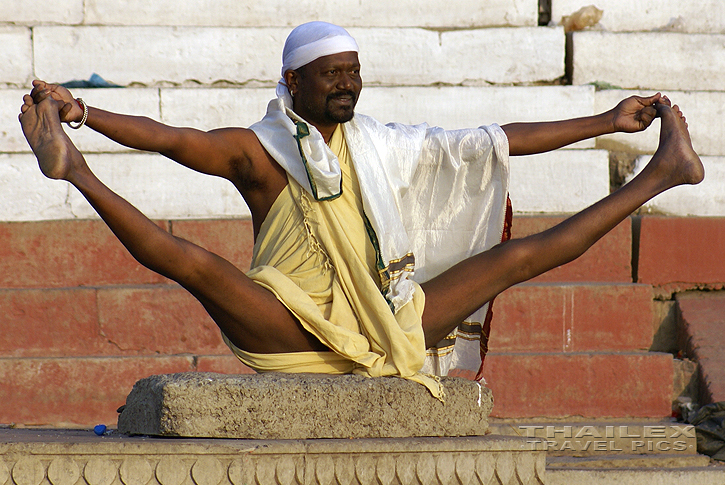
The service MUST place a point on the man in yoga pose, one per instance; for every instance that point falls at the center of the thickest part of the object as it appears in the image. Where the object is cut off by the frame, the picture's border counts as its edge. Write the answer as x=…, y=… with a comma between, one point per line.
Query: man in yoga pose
x=331, y=288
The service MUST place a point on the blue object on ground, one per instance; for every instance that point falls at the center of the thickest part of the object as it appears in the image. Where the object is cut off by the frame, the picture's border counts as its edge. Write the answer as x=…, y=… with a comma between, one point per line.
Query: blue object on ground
x=95, y=81
x=99, y=429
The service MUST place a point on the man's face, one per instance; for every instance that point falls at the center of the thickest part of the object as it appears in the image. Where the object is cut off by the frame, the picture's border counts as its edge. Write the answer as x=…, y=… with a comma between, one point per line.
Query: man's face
x=327, y=89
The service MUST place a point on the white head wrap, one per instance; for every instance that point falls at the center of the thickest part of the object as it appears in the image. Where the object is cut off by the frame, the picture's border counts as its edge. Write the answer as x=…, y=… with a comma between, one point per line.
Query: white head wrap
x=308, y=42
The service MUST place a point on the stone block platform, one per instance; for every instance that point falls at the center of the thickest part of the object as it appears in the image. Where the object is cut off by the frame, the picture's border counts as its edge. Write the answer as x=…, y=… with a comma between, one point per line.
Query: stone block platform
x=79, y=457
x=302, y=406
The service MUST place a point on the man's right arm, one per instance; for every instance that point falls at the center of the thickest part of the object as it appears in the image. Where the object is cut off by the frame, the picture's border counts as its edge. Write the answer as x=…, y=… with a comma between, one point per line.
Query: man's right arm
x=206, y=152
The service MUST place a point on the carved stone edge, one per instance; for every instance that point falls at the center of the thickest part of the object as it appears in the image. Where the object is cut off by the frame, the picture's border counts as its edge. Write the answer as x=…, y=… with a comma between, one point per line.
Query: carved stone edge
x=524, y=467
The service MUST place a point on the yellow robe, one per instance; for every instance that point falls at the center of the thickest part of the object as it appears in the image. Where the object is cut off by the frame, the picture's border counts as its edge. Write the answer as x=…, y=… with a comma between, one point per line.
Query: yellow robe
x=319, y=259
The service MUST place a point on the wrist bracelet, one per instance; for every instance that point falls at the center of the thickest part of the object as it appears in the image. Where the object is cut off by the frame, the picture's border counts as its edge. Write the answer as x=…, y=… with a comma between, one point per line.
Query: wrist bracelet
x=83, y=105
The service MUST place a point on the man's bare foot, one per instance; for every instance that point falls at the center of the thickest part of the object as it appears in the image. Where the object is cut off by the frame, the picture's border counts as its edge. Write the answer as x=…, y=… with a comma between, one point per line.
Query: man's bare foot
x=55, y=152
x=675, y=159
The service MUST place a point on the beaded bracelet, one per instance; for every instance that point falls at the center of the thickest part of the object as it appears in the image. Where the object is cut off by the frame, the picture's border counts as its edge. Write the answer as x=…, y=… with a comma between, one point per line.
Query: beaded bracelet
x=84, y=106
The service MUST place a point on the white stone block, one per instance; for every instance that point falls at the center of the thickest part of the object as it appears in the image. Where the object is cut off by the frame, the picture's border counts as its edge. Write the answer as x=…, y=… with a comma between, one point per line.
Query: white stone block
x=395, y=56
x=280, y=13
x=449, y=107
x=34, y=12
x=561, y=181
x=653, y=60
x=26, y=195
x=502, y=56
x=702, y=16
x=206, y=109
x=704, y=110
x=161, y=189
x=11, y=135
x=468, y=107
x=139, y=102
x=704, y=199
x=473, y=57
x=17, y=55
x=151, y=55
x=398, y=56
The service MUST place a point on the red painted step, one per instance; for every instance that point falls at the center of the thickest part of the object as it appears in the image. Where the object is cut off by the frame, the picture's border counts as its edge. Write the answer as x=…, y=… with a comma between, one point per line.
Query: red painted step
x=610, y=259
x=87, y=391
x=146, y=320
x=592, y=385
x=702, y=319
x=54, y=254
x=572, y=318
x=75, y=391
x=85, y=252
x=232, y=239
x=679, y=253
x=221, y=364
x=163, y=320
x=51, y=254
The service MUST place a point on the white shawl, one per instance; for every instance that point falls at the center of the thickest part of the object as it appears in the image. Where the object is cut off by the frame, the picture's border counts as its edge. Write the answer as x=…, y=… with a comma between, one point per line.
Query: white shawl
x=433, y=197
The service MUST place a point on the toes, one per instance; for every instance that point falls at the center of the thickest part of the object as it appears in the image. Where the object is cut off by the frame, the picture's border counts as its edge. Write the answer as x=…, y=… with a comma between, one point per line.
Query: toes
x=41, y=95
x=679, y=113
x=662, y=109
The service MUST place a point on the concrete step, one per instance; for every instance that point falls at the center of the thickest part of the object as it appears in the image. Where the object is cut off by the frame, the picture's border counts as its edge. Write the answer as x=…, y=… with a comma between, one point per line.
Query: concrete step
x=206, y=108
x=707, y=138
x=702, y=200
x=608, y=440
x=573, y=317
x=615, y=451
x=164, y=190
x=65, y=456
x=582, y=384
x=624, y=16
x=85, y=391
x=701, y=318
x=627, y=461
x=451, y=107
x=534, y=54
x=604, y=57
x=405, y=13
x=712, y=475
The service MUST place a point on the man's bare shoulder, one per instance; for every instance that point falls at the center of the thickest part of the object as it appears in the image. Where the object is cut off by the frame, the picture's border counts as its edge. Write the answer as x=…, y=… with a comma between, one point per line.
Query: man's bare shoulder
x=257, y=176
x=247, y=157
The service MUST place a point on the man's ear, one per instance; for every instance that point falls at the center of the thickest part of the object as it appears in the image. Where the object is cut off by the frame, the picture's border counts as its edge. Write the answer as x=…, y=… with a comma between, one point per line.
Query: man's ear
x=291, y=78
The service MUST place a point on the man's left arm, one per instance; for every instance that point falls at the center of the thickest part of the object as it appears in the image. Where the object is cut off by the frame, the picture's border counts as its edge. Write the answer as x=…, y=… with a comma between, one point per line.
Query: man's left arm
x=630, y=115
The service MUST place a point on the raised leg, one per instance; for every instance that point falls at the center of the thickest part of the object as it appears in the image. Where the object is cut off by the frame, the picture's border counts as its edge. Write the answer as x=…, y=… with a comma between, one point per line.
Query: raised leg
x=248, y=314
x=458, y=292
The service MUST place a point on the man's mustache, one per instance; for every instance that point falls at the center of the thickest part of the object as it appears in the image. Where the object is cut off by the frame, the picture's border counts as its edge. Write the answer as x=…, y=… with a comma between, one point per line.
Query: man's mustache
x=341, y=94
